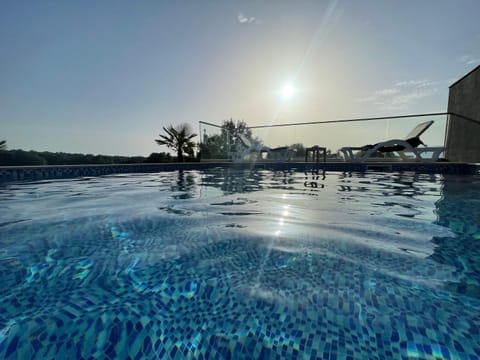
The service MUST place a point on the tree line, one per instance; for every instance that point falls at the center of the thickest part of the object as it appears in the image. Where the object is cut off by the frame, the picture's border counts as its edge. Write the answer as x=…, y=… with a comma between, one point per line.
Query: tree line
x=178, y=138
x=26, y=158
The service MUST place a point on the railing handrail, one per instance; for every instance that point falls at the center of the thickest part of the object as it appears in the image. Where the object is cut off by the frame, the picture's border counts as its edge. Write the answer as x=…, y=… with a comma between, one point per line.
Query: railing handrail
x=207, y=123
x=348, y=120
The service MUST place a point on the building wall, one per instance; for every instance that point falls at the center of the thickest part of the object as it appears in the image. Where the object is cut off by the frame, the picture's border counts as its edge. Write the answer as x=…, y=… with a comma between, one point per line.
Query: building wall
x=463, y=135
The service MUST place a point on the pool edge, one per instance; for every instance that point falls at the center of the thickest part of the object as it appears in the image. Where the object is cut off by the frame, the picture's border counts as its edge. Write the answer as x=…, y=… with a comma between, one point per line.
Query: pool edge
x=16, y=173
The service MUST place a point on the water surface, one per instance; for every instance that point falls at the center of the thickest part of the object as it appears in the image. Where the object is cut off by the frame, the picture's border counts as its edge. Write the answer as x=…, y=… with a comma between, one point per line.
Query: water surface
x=241, y=264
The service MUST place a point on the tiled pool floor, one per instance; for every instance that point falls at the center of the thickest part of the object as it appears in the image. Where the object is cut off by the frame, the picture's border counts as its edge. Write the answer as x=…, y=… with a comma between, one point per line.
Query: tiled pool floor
x=261, y=264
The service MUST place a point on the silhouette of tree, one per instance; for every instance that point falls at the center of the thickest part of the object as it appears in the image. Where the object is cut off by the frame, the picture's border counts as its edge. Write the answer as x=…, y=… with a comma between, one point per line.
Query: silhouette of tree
x=298, y=149
x=159, y=158
x=231, y=129
x=3, y=145
x=178, y=138
x=218, y=146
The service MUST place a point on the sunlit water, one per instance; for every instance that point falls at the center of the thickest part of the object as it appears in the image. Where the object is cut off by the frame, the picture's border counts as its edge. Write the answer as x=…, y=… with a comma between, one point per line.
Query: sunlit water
x=241, y=264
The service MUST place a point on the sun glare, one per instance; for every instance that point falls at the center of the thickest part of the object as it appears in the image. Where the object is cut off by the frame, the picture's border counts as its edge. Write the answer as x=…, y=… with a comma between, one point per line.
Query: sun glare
x=288, y=91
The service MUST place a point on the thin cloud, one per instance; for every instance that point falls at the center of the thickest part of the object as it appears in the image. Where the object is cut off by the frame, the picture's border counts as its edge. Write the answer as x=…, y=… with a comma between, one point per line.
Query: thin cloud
x=407, y=98
x=402, y=94
x=414, y=83
x=387, y=92
x=379, y=95
x=242, y=19
x=469, y=60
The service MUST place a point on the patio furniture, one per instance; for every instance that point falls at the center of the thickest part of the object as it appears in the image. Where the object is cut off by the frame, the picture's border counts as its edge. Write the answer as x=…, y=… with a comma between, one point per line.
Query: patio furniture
x=315, y=152
x=247, y=148
x=411, y=144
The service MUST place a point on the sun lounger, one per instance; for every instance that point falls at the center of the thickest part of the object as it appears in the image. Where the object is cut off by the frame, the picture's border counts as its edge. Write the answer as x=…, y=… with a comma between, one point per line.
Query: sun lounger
x=402, y=146
x=247, y=149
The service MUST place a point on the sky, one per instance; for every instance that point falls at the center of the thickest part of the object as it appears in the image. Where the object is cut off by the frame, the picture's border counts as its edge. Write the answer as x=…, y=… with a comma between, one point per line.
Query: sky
x=104, y=77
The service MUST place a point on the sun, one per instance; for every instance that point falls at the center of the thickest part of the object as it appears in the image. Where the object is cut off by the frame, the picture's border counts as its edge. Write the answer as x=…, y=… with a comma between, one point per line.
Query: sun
x=288, y=91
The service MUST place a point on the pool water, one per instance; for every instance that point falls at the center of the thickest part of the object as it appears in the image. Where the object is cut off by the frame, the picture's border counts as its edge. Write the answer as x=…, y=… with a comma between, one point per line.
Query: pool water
x=241, y=264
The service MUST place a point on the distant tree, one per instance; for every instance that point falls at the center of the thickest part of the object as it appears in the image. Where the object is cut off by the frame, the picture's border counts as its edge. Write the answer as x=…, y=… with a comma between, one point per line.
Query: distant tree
x=21, y=157
x=213, y=147
x=159, y=158
x=298, y=149
x=178, y=138
x=133, y=159
x=3, y=145
x=218, y=146
x=231, y=129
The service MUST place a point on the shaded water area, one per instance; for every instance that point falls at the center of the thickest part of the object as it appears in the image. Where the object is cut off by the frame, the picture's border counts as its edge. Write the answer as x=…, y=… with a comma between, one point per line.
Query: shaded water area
x=241, y=264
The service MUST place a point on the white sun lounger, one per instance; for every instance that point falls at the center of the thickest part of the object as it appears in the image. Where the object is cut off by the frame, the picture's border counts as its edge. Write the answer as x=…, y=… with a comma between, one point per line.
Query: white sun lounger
x=410, y=144
x=247, y=149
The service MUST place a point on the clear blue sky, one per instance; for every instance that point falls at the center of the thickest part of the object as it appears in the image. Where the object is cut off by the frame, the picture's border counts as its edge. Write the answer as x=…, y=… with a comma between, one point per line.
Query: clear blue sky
x=105, y=76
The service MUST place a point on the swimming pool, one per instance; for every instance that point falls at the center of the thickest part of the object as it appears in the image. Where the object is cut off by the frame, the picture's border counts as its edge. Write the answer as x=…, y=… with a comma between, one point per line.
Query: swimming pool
x=241, y=264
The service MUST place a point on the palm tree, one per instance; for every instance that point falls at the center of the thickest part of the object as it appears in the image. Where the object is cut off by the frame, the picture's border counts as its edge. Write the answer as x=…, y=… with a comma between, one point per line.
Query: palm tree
x=178, y=138
x=3, y=145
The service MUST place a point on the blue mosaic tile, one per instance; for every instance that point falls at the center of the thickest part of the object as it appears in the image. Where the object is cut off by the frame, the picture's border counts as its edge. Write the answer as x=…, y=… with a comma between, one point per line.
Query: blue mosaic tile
x=165, y=285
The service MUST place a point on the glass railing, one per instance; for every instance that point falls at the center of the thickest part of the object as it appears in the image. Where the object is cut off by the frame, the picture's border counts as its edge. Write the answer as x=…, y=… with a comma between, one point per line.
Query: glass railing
x=218, y=143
